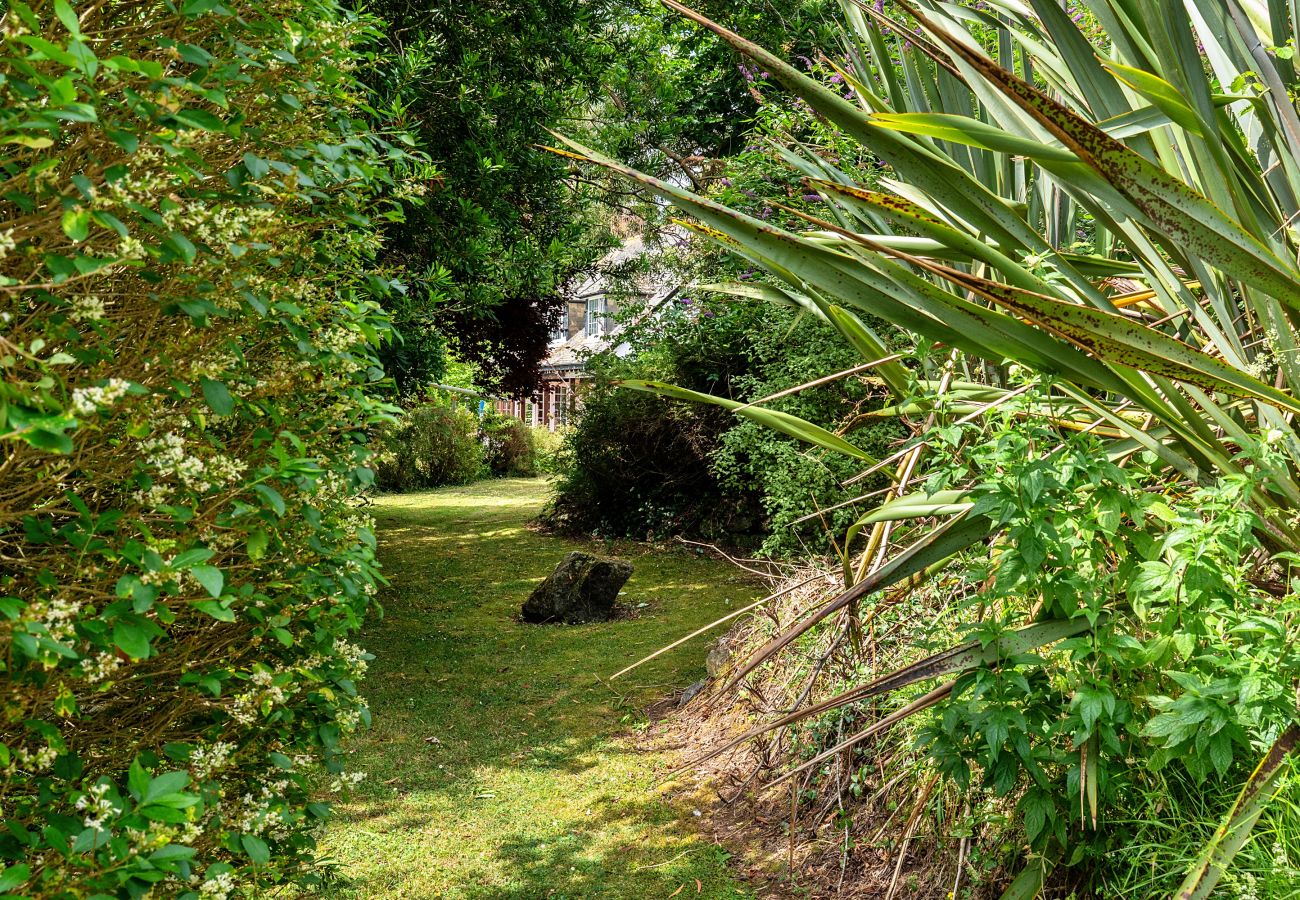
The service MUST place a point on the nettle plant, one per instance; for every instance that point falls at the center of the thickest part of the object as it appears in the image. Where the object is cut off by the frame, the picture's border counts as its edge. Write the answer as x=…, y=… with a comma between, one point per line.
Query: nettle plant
x=188, y=326
x=1105, y=197
x=1187, y=662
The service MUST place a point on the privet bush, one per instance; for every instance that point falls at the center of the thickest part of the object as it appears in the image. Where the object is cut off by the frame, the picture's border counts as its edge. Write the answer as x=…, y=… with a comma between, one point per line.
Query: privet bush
x=188, y=335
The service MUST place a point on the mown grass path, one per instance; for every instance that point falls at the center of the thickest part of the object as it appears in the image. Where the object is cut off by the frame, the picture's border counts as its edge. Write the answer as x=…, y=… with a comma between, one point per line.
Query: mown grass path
x=501, y=763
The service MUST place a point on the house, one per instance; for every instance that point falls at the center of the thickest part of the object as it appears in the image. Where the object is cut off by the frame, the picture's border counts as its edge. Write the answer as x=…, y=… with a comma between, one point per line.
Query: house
x=588, y=324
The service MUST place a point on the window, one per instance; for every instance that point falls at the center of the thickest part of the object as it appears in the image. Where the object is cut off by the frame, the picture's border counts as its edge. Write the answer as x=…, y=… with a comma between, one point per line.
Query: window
x=561, y=331
x=596, y=310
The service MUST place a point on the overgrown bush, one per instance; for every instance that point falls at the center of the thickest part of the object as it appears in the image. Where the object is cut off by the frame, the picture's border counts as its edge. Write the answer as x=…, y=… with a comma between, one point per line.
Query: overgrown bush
x=546, y=449
x=507, y=446
x=189, y=340
x=635, y=464
x=430, y=445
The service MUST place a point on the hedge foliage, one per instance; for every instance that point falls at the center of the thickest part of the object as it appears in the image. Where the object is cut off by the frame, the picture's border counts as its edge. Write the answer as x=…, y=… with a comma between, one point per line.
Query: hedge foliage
x=189, y=323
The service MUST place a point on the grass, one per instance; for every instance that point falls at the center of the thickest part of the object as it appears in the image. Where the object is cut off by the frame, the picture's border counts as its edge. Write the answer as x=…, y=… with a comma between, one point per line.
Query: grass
x=501, y=763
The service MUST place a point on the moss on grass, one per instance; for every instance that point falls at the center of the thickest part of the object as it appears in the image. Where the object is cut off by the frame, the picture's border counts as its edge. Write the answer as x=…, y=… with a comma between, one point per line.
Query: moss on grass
x=500, y=763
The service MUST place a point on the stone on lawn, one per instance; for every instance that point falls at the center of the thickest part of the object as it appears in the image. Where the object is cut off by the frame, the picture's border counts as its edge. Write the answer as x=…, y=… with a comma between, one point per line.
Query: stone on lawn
x=582, y=588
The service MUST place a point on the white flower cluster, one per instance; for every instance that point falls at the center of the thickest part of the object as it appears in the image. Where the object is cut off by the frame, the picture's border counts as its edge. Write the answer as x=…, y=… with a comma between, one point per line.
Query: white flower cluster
x=96, y=805
x=88, y=400
x=336, y=339
x=37, y=761
x=166, y=455
x=100, y=667
x=346, y=780
x=218, y=887
x=348, y=719
x=57, y=615
x=7, y=242
x=353, y=657
x=88, y=308
x=206, y=760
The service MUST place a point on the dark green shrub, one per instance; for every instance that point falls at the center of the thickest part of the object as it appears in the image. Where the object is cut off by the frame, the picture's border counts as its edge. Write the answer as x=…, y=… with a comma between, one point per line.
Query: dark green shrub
x=190, y=321
x=635, y=464
x=429, y=446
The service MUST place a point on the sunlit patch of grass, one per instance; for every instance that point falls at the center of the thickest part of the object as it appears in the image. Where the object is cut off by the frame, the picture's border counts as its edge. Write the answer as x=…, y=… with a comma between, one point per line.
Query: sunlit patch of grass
x=500, y=763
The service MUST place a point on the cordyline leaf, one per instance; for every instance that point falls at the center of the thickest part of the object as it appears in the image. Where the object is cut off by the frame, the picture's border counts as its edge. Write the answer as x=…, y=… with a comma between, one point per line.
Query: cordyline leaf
x=919, y=506
x=957, y=659
x=969, y=199
x=785, y=423
x=935, y=547
x=971, y=132
x=939, y=694
x=1181, y=217
x=1161, y=93
x=1116, y=339
x=901, y=297
x=1236, y=827
x=861, y=338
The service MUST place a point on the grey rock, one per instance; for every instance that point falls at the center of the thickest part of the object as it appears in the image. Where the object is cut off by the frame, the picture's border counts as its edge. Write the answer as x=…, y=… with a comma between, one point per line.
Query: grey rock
x=690, y=693
x=719, y=656
x=582, y=588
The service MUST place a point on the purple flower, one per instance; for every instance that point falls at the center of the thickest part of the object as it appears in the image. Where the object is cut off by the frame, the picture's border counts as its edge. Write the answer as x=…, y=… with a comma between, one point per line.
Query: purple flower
x=880, y=6
x=726, y=182
x=765, y=212
x=813, y=198
x=808, y=63
x=837, y=78
x=747, y=275
x=748, y=193
x=708, y=314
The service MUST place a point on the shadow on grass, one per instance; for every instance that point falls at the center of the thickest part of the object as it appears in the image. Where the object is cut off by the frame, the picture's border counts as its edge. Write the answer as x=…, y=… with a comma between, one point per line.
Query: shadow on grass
x=499, y=764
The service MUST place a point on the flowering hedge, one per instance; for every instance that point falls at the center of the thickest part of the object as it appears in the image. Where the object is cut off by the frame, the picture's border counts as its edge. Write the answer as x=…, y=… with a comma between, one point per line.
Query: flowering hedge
x=188, y=322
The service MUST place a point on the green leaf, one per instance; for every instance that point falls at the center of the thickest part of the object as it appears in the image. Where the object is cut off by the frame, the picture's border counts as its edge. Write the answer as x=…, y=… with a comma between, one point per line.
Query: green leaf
x=784, y=423
x=256, y=166
x=218, y=397
x=132, y=633
x=210, y=577
x=1241, y=818
x=137, y=779
x=69, y=18
x=199, y=118
x=256, y=849
x=257, y=543
x=76, y=224
x=14, y=876
x=164, y=785
x=215, y=609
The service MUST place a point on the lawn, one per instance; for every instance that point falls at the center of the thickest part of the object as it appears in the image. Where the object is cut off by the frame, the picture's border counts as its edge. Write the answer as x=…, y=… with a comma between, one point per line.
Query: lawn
x=502, y=763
